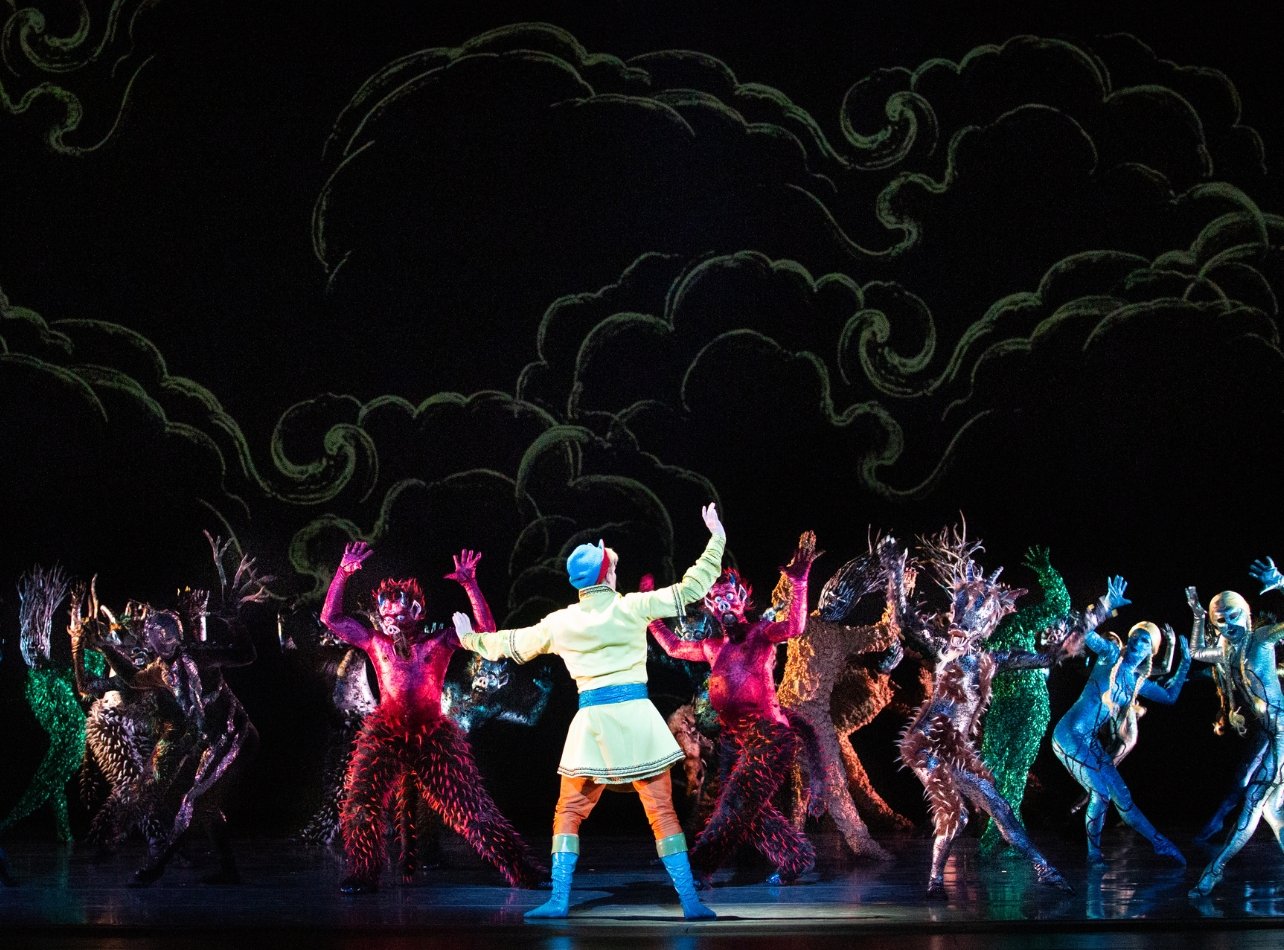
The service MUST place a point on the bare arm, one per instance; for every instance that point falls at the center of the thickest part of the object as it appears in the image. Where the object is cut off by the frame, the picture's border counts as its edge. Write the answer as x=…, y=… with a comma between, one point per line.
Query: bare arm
x=675, y=646
x=347, y=628
x=465, y=574
x=796, y=573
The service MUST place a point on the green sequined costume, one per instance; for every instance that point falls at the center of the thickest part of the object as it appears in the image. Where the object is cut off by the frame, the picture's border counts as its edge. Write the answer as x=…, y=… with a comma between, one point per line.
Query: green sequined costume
x=51, y=693
x=1020, y=710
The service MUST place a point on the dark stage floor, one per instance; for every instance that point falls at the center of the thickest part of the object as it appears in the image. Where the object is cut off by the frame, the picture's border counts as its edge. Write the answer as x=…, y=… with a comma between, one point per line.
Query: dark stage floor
x=67, y=899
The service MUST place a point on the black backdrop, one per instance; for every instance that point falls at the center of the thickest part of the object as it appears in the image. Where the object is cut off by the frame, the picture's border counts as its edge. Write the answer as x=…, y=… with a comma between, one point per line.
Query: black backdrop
x=512, y=275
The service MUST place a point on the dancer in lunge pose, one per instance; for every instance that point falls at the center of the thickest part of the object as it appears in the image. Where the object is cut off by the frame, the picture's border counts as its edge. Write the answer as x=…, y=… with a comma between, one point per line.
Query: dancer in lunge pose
x=836, y=679
x=406, y=745
x=1246, y=660
x=1119, y=677
x=939, y=745
x=761, y=742
x=617, y=736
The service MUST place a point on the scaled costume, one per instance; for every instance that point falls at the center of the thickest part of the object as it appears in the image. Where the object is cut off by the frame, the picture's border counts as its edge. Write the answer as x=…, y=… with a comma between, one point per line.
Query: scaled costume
x=50, y=691
x=939, y=743
x=830, y=683
x=1020, y=709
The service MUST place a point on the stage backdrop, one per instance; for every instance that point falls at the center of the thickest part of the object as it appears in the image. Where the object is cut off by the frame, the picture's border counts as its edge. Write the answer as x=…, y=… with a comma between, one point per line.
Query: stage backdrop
x=512, y=276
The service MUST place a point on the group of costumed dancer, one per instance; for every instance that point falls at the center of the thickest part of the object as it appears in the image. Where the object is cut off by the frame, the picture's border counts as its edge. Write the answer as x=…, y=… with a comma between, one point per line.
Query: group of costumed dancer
x=145, y=712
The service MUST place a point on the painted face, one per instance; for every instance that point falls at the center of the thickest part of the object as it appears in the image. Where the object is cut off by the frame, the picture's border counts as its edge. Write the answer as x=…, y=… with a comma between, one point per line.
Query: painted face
x=1143, y=642
x=1229, y=614
x=400, y=606
x=728, y=599
x=489, y=677
x=398, y=611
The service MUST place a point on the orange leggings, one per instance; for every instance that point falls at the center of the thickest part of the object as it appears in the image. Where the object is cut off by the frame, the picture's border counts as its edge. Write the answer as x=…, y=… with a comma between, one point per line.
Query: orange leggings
x=579, y=795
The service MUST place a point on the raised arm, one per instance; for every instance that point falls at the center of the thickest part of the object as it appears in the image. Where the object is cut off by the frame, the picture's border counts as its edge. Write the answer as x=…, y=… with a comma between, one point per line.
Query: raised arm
x=902, y=617
x=465, y=574
x=1168, y=693
x=1032, y=619
x=1267, y=574
x=347, y=628
x=1200, y=649
x=1107, y=606
x=670, y=601
x=690, y=650
x=795, y=574
x=79, y=630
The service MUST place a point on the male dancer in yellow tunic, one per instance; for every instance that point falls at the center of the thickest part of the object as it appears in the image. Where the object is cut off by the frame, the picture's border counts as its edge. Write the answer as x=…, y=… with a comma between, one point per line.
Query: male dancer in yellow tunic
x=617, y=736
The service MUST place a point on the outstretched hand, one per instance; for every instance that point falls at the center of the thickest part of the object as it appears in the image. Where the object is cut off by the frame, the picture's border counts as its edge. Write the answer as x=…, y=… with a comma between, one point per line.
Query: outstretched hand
x=1038, y=558
x=804, y=555
x=76, y=619
x=1192, y=598
x=463, y=622
x=710, y=515
x=354, y=555
x=465, y=571
x=1267, y=573
x=1114, y=599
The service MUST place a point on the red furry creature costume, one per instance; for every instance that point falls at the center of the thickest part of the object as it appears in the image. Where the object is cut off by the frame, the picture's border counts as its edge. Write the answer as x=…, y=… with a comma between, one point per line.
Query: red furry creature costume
x=761, y=743
x=407, y=741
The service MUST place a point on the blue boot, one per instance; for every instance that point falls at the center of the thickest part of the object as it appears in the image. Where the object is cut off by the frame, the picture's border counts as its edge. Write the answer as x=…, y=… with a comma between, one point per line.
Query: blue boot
x=566, y=851
x=673, y=852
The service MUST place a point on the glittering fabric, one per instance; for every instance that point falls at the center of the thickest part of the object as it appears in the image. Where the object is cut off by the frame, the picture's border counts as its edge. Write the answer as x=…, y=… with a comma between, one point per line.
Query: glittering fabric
x=1020, y=710
x=51, y=694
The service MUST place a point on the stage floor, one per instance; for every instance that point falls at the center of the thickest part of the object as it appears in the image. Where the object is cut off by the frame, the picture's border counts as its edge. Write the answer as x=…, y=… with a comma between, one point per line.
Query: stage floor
x=72, y=899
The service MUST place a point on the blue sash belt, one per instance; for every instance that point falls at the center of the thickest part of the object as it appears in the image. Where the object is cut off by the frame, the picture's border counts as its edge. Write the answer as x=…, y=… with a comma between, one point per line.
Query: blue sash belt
x=605, y=695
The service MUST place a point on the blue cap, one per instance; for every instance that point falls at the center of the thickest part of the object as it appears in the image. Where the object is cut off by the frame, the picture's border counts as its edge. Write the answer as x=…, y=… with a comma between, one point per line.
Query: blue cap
x=584, y=566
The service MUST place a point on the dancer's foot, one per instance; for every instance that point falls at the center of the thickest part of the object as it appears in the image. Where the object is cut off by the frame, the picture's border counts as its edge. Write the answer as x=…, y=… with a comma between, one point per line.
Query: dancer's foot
x=1209, y=880
x=1047, y=875
x=1166, y=849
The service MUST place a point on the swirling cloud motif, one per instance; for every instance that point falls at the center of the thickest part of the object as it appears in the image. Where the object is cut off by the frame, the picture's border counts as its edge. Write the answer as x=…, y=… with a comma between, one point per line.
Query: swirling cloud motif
x=700, y=359
x=469, y=183
x=122, y=445
x=60, y=61
x=500, y=475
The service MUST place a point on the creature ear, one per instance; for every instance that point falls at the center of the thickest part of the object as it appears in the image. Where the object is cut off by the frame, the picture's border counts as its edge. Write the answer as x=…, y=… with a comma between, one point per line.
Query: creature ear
x=416, y=609
x=742, y=592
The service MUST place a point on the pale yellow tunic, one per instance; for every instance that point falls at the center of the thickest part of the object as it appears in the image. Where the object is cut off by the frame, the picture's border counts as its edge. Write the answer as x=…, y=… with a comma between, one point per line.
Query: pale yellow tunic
x=602, y=641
